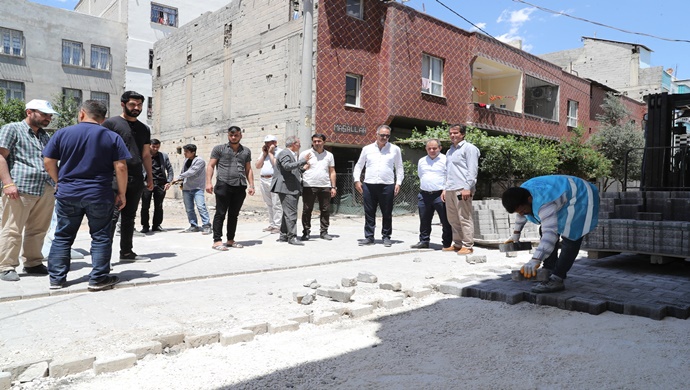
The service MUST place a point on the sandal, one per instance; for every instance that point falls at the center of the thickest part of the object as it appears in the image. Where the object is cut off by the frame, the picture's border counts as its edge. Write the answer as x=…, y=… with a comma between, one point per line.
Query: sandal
x=220, y=247
x=234, y=245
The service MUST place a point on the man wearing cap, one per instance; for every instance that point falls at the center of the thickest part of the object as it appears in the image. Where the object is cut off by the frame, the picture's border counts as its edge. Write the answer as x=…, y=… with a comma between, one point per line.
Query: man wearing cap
x=266, y=163
x=27, y=191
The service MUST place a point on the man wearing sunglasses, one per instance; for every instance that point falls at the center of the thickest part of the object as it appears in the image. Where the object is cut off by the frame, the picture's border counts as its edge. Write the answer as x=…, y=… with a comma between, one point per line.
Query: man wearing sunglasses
x=382, y=180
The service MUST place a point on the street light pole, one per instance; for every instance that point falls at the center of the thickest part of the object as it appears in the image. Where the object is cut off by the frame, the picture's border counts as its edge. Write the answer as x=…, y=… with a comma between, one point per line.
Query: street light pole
x=305, y=128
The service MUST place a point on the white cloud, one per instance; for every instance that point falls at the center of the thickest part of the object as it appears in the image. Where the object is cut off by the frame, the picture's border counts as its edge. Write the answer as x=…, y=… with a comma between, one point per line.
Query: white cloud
x=516, y=19
x=478, y=26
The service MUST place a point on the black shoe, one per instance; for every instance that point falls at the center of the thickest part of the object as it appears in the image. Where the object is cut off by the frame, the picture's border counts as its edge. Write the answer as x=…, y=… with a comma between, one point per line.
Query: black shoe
x=305, y=237
x=326, y=236
x=282, y=239
x=554, y=284
x=366, y=241
x=387, y=242
x=106, y=284
x=9, y=276
x=295, y=241
x=420, y=245
x=132, y=257
x=36, y=270
x=56, y=286
x=158, y=228
x=144, y=230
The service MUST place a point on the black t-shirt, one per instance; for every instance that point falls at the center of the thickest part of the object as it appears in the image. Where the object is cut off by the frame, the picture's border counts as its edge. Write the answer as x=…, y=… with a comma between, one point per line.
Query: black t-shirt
x=136, y=135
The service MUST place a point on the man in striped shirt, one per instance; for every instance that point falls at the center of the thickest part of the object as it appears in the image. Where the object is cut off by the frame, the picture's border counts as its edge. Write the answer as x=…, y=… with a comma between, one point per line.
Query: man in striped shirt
x=565, y=207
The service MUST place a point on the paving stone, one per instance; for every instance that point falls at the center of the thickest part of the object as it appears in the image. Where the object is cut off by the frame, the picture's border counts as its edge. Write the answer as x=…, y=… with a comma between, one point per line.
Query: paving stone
x=418, y=292
x=288, y=326
x=341, y=295
x=655, y=312
x=150, y=348
x=395, y=286
x=116, y=363
x=325, y=318
x=257, y=328
x=171, y=340
x=682, y=312
x=323, y=291
x=367, y=277
x=585, y=305
x=35, y=371
x=5, y=380
x=236, y=336
x=453, y=287
x=304, y=319
x=348, y=282
x=16, y=369
x=194, y=341
x=357, y=311
x=68, y=366
x=392, y=303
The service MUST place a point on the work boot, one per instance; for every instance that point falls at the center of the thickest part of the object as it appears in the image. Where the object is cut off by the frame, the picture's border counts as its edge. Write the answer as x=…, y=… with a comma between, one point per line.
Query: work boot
x=554, y=284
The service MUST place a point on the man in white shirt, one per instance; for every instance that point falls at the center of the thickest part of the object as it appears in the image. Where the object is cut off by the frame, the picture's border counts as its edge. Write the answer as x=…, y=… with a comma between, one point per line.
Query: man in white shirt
x=266, y=162
x=318, y=182
x=462, y=161
x=382, y=180
x=432, y=176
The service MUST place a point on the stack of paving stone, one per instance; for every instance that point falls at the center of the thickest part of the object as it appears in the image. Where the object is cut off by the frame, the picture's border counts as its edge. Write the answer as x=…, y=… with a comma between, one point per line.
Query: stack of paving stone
x=651, y=222
x=493, y=224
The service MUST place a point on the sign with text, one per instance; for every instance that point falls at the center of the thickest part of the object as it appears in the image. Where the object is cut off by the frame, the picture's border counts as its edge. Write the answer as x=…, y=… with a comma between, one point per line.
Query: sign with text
x=349, y=129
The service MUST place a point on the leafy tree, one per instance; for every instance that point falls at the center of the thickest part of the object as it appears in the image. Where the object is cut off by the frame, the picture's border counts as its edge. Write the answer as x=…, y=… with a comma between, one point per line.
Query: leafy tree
x=12, y=110
x=616, y=136
x=579, y=159
x=67, y=109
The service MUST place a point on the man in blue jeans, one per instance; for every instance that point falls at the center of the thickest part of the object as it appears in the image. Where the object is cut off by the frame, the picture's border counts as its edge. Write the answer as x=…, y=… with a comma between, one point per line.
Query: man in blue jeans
x=193, y=178
x=88, y=154
x=565, y=207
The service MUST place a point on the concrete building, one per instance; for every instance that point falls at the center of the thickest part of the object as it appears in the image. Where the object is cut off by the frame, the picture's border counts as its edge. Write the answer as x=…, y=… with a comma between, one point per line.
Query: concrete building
x=48, y=52
x=145, y=22
x=375, y=63
x=620, y=65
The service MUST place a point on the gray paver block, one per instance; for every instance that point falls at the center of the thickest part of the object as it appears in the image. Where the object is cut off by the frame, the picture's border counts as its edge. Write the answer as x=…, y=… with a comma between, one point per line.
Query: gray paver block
x=35, y=371
x=171, y=340
x=542, y=276
x=116, y=363
x=475, y=259
x=149, y=348
x=367, y=277
x=585, y=305
x=357, y=311
x=392, y=303
x=5, y=380
x=341, y=295
x=323, y=291
x=193, y=341
x=348, y=282
x=237, y=336
x=258, y=328
x=287, y=326
x=325, y=318
x=653, y=311
x=69, y=366
x=395, y=286
x=418, y=292
x=453, y=287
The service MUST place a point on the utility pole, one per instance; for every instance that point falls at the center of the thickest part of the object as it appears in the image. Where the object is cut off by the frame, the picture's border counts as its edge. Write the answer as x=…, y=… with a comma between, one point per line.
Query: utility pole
x=305, y=130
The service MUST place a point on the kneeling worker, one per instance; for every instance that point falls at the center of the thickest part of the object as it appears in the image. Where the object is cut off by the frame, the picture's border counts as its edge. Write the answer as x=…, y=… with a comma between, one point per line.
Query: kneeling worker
x=564, y=206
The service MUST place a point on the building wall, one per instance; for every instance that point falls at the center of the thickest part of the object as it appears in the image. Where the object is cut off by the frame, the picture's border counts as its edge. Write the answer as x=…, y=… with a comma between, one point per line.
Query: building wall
x=41, y=70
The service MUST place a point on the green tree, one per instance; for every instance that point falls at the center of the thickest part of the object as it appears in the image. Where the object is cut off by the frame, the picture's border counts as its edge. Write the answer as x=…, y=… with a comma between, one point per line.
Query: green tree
x=11, y=110
x=578, y=158
x=66, y=108
x=616, y=136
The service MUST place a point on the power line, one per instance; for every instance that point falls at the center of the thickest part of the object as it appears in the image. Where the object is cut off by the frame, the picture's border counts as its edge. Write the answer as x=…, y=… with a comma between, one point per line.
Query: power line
x=600, y=24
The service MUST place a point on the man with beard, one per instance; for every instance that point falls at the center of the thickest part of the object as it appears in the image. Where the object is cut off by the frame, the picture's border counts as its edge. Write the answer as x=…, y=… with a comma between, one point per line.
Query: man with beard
x=234, y=173
x=318, y=183
x=137, y=137
x=27, y=191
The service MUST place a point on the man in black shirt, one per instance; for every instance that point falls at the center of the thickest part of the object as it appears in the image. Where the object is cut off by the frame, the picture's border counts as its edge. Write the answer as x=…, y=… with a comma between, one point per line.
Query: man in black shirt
x=137, y=137
x=162, y=177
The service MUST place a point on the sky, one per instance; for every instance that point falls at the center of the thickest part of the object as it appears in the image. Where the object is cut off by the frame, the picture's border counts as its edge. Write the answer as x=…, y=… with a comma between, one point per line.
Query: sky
x=545, y=32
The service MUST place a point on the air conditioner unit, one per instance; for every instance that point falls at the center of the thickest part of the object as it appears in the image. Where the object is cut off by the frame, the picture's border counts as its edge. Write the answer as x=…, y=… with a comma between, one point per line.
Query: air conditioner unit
x=539, y=92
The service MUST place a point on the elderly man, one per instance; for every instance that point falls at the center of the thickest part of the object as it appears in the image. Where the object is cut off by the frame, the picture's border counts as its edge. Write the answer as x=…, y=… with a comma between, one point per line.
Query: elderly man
x=462, y=161
x=234, y=174
x=266, y=163
x=318, y=183
x=382, y=180
x=27, y=191
x=432, y=175
x=287, y=183
x=89, y=154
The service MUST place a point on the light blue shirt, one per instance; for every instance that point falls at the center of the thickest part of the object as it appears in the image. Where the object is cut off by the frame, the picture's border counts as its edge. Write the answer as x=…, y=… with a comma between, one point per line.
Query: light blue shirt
x=463, y=166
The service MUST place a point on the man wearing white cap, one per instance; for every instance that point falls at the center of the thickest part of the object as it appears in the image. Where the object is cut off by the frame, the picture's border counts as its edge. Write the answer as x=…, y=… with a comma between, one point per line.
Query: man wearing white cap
x=27, y=191
x=266, y=162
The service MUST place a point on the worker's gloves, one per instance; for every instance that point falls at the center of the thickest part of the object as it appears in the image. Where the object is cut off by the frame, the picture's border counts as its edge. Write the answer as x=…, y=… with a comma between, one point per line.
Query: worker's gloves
x=513, y=238
x=529, y=269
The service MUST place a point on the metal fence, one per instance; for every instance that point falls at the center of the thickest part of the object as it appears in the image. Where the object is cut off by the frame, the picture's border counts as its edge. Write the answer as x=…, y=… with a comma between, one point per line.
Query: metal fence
x=348, y=201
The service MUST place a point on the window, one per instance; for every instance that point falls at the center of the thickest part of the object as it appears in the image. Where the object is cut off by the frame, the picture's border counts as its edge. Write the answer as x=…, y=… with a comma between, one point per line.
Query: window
x=150, y=58
x=163, y=15
x=355, y=8
x=12, y=42
x=68, y=93
x=353, y=84
x=541, y=98
x=572, y=113
x=72, y=53
x=432, y=75
x=100, y=57
x=227, y=35
x=13, y=89
x=149, y=109
x=101, y=97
